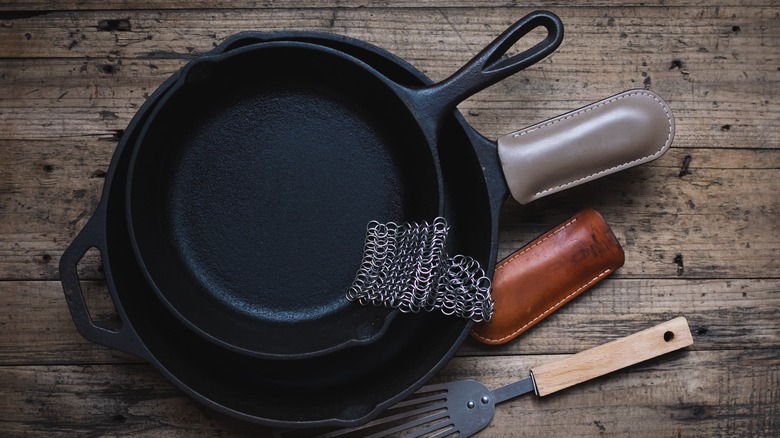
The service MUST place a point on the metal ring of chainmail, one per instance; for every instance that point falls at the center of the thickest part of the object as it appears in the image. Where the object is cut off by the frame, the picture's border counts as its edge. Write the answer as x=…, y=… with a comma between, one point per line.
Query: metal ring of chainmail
x=406, y=266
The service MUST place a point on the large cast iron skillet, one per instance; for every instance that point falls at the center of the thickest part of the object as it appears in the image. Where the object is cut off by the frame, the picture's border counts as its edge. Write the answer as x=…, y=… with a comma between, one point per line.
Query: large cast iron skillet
x=339, y=389
x=253, y=180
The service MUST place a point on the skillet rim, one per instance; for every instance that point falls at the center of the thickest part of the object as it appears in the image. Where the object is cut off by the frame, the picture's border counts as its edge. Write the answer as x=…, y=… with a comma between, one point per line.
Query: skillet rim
x=182, y=81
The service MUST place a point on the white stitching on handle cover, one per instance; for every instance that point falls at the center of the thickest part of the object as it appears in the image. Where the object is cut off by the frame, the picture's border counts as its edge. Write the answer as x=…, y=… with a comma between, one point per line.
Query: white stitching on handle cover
x=595, y=175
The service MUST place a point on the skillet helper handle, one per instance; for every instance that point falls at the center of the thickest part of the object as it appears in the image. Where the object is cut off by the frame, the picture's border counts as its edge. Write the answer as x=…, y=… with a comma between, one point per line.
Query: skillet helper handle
x=92, y=236
x=614, y=134
x=489, y=66
x=544, y=275
x=589, y=364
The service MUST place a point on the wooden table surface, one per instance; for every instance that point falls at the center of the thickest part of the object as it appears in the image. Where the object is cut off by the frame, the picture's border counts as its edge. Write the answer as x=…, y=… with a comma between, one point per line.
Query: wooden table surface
x=699, y=226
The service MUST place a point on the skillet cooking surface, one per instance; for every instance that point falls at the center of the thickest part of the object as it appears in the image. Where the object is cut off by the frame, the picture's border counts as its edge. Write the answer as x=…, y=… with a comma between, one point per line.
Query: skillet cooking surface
x=365, y=379
x=251, y=190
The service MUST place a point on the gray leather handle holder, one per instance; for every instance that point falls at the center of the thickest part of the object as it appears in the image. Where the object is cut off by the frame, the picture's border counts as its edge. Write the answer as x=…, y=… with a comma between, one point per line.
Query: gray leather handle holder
x=619, y=132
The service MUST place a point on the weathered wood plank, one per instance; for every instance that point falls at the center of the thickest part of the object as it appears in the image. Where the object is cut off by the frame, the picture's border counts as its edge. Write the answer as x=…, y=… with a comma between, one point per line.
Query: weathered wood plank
x=37, y=327
x=56, y=98
x=95, y=111
x=68, y=98
x=670, y=225
x=715, y=31
x=717, y=68
x=30, y=6
x=723, y=314
x=686, y=393
x=720, y=217
x=94, y=400
x=46, y=198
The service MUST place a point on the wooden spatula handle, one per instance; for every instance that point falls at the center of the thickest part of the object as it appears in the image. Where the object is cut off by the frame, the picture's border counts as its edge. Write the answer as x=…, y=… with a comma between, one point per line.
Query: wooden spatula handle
x=647, y=344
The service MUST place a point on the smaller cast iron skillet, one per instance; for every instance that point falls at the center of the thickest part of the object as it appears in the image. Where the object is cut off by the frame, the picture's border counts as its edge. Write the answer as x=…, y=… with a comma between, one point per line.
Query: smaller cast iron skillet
x=252, y=181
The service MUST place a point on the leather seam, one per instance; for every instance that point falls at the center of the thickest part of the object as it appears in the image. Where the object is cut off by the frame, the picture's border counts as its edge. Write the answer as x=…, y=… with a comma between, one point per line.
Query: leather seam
x=614, y=168
x=532, y=246
x=553, y=307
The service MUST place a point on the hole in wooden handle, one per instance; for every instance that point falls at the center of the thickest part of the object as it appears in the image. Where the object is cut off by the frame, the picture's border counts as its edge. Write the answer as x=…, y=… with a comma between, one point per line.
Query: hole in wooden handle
x=668, y=336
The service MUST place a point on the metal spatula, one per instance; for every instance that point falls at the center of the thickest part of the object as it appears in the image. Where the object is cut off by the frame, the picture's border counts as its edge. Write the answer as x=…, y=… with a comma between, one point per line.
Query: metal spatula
x=465, y=407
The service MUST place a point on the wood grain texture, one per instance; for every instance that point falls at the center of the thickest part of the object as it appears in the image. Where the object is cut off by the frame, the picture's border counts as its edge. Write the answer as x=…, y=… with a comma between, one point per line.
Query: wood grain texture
x=699, y=226
x=29, y=6
x=723, y=314
x=713, y=59
x=621, y=353
x=720, y=217
x=690, y=393
x=684, y=393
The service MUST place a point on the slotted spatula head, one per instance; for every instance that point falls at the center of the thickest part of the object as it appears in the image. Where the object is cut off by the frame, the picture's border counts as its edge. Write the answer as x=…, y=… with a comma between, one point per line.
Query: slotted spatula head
x=459, y=408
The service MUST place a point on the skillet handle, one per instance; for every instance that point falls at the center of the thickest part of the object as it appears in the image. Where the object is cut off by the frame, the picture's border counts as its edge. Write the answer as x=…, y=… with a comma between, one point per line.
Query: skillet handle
x=93, y=236
x=489, y=67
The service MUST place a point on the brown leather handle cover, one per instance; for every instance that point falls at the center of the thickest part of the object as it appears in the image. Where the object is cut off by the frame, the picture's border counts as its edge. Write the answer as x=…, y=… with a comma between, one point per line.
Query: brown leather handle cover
x=548, y=273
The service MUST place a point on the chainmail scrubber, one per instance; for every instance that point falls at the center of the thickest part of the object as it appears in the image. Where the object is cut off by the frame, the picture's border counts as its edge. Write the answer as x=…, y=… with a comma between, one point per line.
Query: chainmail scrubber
x=406, y=266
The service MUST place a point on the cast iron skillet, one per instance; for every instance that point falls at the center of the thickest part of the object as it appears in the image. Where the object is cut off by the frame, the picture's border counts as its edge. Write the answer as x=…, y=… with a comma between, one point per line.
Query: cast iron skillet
x=346, y=388
x=252, y=182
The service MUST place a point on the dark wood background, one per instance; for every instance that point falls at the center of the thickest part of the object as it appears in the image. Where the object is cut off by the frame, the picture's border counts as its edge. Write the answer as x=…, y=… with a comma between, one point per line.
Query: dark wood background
x=699, y=226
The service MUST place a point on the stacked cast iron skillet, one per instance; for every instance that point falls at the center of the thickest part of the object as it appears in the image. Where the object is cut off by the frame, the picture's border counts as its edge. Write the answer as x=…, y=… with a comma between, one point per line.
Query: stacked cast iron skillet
x=225, y=253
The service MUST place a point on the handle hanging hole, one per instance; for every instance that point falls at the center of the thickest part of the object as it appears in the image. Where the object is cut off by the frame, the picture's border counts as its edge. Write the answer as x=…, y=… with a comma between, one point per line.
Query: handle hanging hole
x=668, y=336
x=519, y=49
